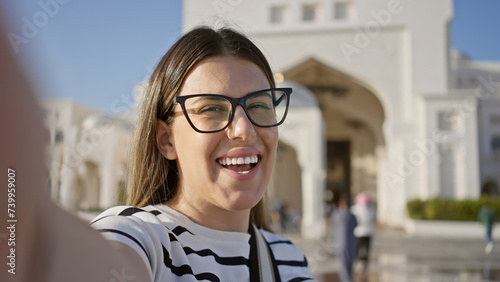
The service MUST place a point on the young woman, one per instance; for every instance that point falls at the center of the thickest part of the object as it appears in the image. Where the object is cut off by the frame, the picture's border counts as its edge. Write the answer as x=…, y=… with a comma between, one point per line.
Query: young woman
x=365, y=215
x=203, y=155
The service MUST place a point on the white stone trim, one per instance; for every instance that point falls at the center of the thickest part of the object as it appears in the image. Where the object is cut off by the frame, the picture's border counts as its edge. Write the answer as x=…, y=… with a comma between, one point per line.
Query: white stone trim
x=456, y=229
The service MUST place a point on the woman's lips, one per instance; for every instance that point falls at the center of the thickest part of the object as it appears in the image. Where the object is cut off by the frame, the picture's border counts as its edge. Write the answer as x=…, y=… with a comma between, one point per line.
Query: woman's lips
x=241, y=165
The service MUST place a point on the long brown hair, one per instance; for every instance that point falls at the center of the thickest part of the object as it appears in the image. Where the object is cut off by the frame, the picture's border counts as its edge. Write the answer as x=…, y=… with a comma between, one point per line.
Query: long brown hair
x=152, y=178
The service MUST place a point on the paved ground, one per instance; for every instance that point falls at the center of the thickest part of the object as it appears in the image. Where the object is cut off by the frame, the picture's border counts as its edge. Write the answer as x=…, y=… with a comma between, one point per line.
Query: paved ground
x=398, y=257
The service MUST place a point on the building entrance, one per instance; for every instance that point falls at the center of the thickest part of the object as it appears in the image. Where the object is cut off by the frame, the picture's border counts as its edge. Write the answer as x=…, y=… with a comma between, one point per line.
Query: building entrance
x=338, y=173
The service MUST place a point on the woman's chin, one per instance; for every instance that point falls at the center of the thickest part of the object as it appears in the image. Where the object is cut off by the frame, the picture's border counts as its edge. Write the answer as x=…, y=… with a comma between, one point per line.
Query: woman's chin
x=242, y=203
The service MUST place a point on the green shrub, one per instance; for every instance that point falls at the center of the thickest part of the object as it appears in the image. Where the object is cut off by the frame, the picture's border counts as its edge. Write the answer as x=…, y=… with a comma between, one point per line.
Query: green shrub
x=416, y=209
x=444, y=209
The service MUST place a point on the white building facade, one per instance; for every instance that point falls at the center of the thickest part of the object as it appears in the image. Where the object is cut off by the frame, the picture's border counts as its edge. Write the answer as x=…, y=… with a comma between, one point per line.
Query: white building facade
x=87, y=155
x=391, y=94
x=381, y=104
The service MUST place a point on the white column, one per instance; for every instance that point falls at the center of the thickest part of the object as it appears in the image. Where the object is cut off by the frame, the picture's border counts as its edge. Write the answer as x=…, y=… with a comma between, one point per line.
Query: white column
x=304, y=130
x=313, y=178
x=383, y=190
x=67, y=195
x=394, y=178
x=71, y=160
x=108, y=171
x=461, y=167
x=471, y=155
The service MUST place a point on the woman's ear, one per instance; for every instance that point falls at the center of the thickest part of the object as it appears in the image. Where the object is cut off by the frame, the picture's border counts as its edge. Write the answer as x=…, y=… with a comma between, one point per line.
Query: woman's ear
x=164, y=140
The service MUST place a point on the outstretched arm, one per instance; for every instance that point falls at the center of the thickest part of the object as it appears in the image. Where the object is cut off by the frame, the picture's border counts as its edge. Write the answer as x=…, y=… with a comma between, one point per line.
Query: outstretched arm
x=45, y=243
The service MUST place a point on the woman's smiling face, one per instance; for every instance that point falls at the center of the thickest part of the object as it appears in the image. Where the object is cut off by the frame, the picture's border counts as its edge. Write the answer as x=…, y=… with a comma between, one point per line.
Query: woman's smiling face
x=206, y=181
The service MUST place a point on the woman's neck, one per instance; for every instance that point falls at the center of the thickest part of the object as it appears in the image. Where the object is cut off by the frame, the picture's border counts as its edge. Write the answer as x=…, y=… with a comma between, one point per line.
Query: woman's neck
x=212, y=216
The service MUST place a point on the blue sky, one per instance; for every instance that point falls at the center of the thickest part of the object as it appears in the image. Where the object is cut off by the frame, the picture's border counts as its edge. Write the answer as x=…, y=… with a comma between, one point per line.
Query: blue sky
x=95, y=51
x=475, y=29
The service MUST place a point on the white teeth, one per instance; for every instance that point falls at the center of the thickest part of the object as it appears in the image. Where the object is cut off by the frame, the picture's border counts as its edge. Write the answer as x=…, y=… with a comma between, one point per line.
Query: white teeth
x=239, y=161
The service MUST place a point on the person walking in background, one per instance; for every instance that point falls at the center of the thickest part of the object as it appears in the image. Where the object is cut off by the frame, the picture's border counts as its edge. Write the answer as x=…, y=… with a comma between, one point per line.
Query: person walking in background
x=365, y=216
x=344, y=223
x=488, y=217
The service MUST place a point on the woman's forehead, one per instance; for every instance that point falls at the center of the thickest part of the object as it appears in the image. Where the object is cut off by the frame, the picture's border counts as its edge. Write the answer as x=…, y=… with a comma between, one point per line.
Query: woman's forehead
x=224, y=75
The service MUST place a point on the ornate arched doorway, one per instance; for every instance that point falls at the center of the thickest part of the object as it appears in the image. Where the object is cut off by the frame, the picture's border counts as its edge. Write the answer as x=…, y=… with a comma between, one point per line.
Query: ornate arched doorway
x=354, y=117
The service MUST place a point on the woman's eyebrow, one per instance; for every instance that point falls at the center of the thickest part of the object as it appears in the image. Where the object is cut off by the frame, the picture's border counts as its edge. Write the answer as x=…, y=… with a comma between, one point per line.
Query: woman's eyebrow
x=209, y=97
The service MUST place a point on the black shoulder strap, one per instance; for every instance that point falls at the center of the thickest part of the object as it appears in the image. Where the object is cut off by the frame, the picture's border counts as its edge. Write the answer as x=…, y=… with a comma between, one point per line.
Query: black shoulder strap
x=261, y=252
x=254, y=258
x=277, y=277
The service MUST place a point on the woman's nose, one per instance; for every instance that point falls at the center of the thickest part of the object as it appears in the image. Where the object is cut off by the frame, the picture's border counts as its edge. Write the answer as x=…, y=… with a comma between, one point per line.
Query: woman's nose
x=241, y=126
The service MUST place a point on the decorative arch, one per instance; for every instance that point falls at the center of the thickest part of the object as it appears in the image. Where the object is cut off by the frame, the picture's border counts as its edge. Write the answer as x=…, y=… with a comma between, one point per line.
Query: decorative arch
x=350, y=143
x=285, y=187
x=90, y=200
x=333, y=89
x=303, y=131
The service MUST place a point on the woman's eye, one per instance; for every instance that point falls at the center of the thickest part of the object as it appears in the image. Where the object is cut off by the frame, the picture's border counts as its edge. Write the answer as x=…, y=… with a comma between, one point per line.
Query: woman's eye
x=212, y=109
x=257, y=106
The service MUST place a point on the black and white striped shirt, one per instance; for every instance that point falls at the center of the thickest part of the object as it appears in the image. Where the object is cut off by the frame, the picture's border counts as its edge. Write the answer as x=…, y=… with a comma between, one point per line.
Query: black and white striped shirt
x=176, y=249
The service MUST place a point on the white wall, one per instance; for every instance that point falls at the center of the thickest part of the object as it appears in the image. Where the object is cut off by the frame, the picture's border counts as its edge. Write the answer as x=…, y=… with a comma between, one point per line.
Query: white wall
x=489, y=126
x=412, y=33
x=398, y=48
x=462, y=139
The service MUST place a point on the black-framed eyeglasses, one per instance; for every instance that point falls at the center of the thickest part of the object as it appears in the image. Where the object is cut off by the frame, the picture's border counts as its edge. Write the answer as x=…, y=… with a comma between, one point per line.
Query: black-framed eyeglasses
x=209, y=113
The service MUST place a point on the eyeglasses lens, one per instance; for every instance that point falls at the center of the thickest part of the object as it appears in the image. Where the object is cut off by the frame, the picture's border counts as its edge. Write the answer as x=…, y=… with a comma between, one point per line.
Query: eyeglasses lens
x=212, y=113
